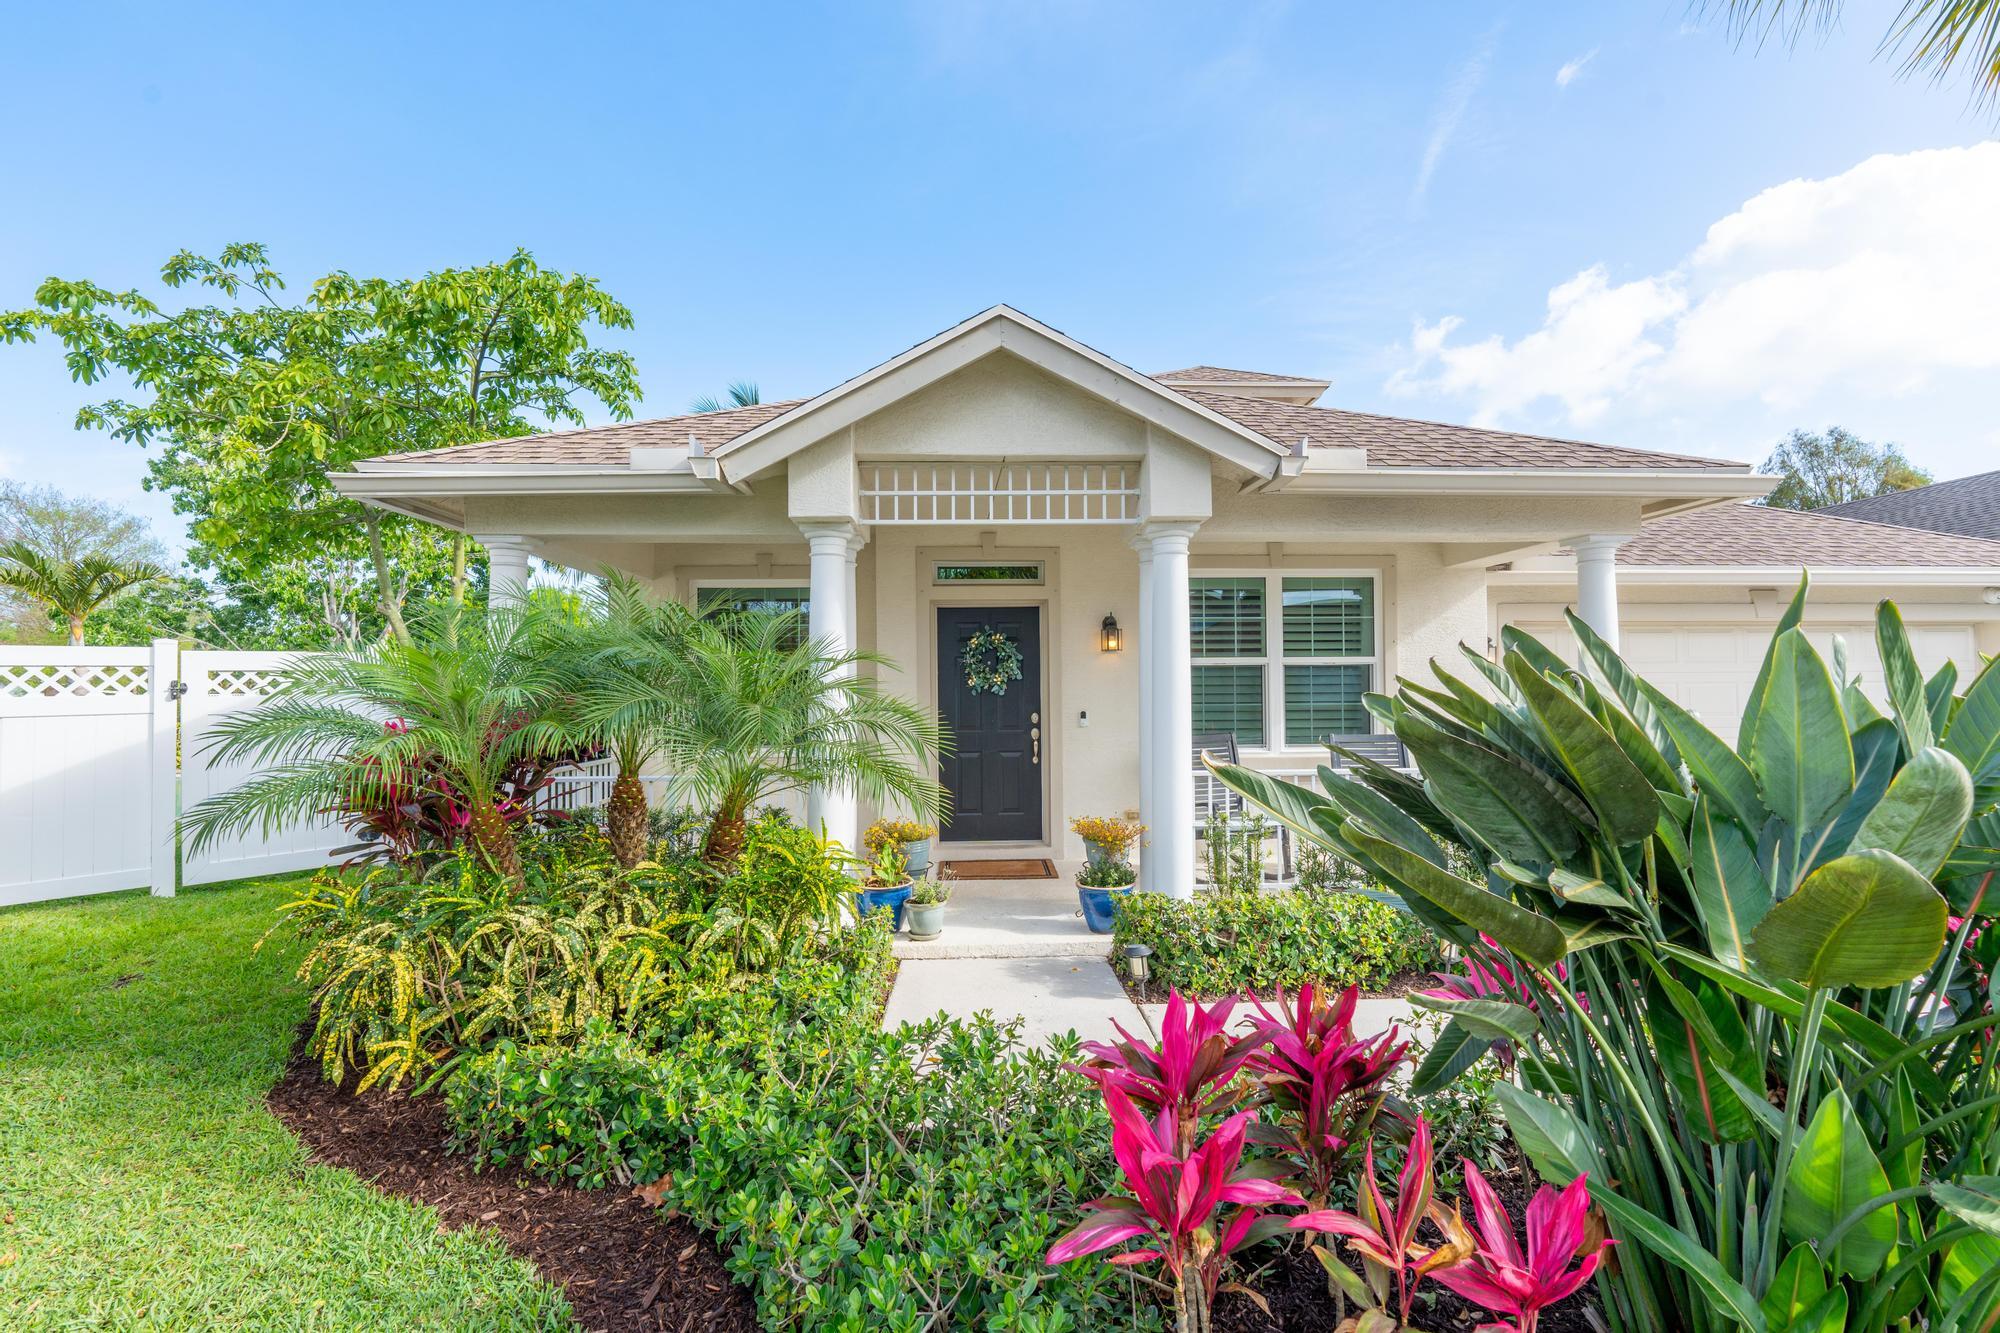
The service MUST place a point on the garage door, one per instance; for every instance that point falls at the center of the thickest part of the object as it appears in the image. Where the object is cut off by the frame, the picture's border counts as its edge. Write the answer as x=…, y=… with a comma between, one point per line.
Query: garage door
x=1708, y=669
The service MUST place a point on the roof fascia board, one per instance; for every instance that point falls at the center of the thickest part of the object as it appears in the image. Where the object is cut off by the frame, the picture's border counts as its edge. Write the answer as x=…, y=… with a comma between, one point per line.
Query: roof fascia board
x=1699, y=485
x=516, y=479
x=999, y=329
x=1918, y=576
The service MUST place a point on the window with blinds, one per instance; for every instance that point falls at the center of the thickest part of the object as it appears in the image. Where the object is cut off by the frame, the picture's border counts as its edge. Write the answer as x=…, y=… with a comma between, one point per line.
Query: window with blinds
x=758, y=601
x=1283, y=659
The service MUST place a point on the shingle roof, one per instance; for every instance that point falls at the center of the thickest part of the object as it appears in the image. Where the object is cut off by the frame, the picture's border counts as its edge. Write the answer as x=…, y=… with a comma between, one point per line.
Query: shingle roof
x=1390, y=441
x=1969, y=506
x=1759, y=535
x=1401, y=442
x=608, y=446
x=1222, y=375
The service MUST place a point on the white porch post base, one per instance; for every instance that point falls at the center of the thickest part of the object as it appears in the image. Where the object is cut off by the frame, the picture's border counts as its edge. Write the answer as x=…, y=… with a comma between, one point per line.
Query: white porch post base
x=1149, y=810
x=830, y=619
x=506, y=569
x=1597, y=582
x=1170, y=738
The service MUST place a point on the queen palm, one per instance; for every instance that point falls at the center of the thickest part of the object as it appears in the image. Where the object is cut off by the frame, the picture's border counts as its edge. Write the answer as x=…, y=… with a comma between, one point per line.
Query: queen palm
x=452, y=712
x=753, y=712
x=71, y=589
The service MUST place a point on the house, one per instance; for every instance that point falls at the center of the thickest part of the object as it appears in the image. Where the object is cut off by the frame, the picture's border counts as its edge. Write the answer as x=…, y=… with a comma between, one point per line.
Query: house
x=1968, y=506
x=1204, y=550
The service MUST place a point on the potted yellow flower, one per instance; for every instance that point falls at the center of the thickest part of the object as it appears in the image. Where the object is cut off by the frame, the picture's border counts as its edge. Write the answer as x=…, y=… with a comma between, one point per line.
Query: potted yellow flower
x=911, y=838
x=1106, y=838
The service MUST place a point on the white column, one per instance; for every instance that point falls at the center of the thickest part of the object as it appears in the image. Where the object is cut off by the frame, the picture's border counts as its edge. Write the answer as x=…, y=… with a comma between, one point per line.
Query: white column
x=1172, y=732
x=830, y=619
x=1597, y=582
x=506, y=569
x=1149, y=812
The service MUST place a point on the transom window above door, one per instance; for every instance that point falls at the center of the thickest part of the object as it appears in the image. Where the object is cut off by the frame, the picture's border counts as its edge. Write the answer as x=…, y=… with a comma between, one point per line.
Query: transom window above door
x=1282, y=660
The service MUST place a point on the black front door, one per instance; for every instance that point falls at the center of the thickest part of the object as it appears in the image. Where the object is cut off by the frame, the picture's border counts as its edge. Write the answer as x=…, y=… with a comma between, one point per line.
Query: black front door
x=994, y=772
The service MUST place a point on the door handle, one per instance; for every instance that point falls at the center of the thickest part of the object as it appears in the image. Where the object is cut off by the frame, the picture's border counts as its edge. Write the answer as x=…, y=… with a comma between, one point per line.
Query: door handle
x=1035, y=741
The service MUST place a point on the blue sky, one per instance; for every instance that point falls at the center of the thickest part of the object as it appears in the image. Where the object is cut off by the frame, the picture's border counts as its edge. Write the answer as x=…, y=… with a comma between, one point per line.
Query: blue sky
x=1417, y=202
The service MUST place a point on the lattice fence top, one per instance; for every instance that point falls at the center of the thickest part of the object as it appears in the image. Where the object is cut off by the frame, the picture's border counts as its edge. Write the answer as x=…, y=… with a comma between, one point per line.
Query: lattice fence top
x=78, y=679
x=1000, y=492
x=250, y=682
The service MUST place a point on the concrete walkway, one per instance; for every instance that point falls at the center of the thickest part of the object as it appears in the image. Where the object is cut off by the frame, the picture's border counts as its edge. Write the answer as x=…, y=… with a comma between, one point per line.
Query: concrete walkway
x=1011, y=918
x=1050, y=995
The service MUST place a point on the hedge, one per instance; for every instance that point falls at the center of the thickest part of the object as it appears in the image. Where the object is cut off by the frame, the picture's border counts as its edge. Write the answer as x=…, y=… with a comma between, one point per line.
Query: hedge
x=1217, y=944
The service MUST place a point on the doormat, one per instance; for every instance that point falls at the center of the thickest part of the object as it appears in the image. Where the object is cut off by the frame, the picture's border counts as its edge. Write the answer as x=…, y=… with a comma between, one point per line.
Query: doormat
x=1037, y=868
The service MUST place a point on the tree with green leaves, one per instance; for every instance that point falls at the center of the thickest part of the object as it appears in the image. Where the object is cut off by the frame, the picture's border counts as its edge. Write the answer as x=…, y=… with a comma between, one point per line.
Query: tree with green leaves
x=743, y=393
x=70, y=589
x=256, y=397
x=1835, y=467
x=1934, y=37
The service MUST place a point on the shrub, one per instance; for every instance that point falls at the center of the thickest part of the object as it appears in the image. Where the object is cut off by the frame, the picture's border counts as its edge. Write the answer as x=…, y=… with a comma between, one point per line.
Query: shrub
x=856, y=1179
x=1224, y=944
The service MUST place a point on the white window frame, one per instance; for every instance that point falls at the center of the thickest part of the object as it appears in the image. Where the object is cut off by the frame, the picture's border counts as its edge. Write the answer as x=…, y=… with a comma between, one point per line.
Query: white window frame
x=1274, y=661
x=697, y=586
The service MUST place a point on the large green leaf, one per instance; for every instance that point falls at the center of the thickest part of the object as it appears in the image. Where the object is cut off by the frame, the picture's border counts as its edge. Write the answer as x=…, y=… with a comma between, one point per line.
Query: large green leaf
x=1678, y=1249
x=1372, y=807
x=1753, y=705
x=1617, y=790
x=1974, y=1199
x=1505, y=802
x=1975, y=734
x=1939, y=697
x=1966, y=1262
x=1902, y=678
x=1796, y=1287
x=1623, y=682
x=1833, y=1172
x=1515, y=640
x=1865, y=919
x=1801, y=756
x=1489, y=1020
x=1455, y=1051
x=1878, y=749
x=1632, y=738
x=1558, y=1144
x=1921, y=815
x=1730, y=890
x=1529, y=934
x=1291, y=804
x=1715, y=767
x=1695, y=1034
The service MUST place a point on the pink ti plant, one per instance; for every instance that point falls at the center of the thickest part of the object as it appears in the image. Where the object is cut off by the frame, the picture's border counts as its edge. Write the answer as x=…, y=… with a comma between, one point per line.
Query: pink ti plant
x=1326, y=1083
x=1385, y=1234
x=1195, y=1207
x=1488, y=977
x=1190, y=1071
x=1560, y=1258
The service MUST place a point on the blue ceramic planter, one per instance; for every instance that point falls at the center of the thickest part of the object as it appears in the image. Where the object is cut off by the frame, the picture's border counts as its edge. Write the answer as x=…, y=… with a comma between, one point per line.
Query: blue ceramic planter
x=875, y=900
x=1100, y=907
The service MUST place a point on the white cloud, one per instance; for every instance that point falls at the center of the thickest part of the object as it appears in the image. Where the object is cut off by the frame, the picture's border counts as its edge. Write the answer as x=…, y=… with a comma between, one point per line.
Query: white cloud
x=1451, y=110
x=1567, y=74
x=1815, y=293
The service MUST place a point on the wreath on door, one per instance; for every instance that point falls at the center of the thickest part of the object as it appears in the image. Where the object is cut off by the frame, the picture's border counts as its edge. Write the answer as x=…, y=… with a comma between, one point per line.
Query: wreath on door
x=991, y=661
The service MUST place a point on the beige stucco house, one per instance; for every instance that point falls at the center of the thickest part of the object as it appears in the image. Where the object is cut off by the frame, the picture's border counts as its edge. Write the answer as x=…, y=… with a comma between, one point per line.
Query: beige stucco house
x=1264, y=560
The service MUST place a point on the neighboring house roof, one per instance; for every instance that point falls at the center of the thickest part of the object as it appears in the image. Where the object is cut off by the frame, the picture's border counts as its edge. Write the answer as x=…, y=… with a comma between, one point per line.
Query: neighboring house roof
x=1969, y=506
x=608, y=446
x=1222, y=375
x=1759, y=535
x=1402, y=442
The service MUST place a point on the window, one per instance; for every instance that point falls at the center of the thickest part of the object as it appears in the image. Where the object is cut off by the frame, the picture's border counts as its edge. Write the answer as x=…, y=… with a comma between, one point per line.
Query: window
x=1282, y=655
x=1022, y=573
x=778, y=601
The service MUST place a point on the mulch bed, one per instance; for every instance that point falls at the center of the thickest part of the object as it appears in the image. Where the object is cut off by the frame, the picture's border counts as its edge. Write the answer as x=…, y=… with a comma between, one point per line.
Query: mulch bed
x=623, y=1265
x=1294, y=1285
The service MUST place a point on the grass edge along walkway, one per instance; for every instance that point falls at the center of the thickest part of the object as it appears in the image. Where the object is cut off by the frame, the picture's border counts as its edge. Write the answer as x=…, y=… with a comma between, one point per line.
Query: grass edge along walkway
x=143, y=1183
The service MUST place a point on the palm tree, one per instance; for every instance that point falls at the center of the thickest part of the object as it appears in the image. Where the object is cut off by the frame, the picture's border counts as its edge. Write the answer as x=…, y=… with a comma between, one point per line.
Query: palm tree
x=1934, y=36
x=452, y=712
x=71, y=589
x=633, y=640
x=753, y=713
x=743, y=393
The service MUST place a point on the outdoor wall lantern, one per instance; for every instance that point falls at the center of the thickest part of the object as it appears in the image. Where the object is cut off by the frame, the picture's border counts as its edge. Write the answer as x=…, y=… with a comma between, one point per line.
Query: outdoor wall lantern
x=1111, y=638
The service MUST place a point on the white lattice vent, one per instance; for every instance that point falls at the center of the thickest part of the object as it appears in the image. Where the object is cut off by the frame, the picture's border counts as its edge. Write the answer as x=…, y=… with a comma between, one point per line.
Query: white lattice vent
x=999, y=492
x=250, y=682
x=81, y=679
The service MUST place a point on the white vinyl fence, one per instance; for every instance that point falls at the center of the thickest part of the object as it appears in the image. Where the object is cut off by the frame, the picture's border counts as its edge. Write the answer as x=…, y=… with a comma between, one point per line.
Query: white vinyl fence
x=99, y=747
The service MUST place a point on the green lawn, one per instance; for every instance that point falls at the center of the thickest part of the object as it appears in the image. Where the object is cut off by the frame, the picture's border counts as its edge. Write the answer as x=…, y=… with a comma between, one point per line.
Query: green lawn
x=142, y=1182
